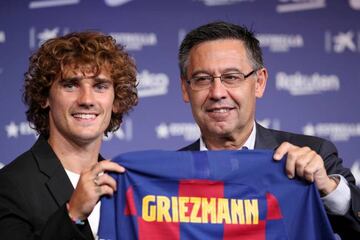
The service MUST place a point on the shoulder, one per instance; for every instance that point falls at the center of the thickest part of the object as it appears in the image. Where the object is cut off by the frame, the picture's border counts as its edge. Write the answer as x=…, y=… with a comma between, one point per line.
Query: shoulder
x=301, y=140
x=20, y=168
x=195, y=146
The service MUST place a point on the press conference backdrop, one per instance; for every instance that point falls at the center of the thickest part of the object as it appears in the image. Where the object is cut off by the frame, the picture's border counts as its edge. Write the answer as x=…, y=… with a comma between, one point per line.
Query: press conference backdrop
x=311, y=49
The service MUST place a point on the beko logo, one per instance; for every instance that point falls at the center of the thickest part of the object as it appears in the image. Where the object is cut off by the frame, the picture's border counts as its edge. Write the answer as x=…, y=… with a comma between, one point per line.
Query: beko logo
x=152, y=84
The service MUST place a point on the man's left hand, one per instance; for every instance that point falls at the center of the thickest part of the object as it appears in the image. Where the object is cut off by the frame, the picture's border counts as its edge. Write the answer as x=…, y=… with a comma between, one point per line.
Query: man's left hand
x=305, y=163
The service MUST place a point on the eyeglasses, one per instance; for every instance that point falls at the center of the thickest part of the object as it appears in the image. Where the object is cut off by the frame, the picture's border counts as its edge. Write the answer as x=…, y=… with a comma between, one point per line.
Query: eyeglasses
x=229, y=80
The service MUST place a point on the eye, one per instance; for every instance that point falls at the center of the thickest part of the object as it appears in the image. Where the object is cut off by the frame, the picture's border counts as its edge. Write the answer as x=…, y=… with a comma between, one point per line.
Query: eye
x=69, y=85
x=231, y=77
x=202, y=79
x=102, y=86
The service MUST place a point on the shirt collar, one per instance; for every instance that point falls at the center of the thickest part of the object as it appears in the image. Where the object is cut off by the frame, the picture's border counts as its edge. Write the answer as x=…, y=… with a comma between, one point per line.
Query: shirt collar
x=249, y=143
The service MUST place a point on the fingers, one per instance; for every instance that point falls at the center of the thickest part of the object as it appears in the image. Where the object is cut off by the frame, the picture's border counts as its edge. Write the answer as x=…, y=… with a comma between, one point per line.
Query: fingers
x=301, y=161
x=93, y=183
x=107, y=166
x=282, y=150
x=105, y=182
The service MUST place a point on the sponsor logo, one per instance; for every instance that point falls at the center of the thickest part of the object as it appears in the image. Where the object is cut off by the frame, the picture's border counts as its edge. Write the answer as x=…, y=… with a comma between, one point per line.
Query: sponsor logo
x=51, y=3
x=14, y=130
x=211, y=3
x=300, y=84
x=152, y=84
x=2, y=37
x=269, y=123
x=299, y=5
x=280, y=42
x=355, y=170
x=355, y=4
x=135, y=41
x=1, y=165
x=116, y=3
x=39, y=37
x=125, y=132
x=342, y=41
x=188, y=131
x=333, y=131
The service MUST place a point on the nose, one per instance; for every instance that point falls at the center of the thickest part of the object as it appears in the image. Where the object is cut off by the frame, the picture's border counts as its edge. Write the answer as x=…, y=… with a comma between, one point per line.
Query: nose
x=86, y=97
x=217, y=90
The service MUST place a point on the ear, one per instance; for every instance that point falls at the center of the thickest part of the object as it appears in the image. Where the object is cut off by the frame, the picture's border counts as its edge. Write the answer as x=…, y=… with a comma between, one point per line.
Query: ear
x=184, y=90
x=46, y=104
x=262, y=76
x=115, y=108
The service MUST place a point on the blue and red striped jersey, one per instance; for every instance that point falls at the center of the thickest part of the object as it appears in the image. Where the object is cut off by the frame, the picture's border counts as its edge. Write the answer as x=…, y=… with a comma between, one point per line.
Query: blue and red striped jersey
x=210, y=195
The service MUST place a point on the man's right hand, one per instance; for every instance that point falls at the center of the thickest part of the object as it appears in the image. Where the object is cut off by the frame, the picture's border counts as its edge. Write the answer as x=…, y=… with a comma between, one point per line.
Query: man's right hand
x=93, y=183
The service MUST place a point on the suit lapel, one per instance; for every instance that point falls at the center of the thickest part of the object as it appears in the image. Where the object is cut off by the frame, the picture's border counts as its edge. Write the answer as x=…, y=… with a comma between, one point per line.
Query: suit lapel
x=58, y=182
x=265, y=139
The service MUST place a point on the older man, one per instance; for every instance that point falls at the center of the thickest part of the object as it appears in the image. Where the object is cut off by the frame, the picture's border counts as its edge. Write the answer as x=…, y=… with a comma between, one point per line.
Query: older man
x=222, y=75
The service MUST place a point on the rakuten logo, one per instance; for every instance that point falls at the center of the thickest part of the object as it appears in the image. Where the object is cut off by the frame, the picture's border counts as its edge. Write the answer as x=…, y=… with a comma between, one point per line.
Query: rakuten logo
x=301, y=84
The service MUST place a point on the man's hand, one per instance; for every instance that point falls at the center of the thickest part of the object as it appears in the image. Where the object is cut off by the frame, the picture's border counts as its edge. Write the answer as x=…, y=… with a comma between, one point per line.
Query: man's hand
x=305, y=163
x=93, y=183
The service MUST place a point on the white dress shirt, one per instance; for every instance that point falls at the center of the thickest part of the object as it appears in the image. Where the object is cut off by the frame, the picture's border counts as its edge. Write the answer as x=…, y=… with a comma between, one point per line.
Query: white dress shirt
x=94, y=217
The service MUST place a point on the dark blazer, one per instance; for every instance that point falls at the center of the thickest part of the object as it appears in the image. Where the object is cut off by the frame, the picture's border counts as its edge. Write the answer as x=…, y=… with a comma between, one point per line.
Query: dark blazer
x=348, y=226
x=34, y=189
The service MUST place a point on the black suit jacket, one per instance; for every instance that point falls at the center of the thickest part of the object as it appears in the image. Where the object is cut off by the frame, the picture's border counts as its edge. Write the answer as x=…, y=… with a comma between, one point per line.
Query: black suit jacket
x=348, y=226
x=34, y=189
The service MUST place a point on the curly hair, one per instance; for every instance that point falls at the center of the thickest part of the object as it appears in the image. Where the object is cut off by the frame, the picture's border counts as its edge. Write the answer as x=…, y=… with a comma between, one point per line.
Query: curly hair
x=215, y=31
x=78, y=49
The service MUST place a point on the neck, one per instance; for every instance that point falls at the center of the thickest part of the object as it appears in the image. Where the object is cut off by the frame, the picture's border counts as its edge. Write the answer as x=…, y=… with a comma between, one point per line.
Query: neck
x=233, y=141
x=74, y=156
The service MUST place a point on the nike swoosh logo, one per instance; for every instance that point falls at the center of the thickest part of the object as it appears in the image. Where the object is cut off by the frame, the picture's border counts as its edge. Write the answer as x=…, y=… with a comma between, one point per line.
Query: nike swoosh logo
x=116, y=3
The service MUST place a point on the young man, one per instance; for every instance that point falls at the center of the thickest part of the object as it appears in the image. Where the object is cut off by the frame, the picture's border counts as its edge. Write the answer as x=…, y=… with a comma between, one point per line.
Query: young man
x=222, y=74
x=77, y=88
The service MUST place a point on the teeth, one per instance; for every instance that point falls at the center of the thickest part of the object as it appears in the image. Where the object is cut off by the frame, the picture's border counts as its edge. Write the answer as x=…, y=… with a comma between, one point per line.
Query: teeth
x=85, y=115
x=222, y=110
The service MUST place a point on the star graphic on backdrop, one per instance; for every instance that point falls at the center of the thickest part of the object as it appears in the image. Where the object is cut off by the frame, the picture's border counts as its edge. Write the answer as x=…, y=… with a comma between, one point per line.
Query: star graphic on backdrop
x=12, y=130
x=162, y=131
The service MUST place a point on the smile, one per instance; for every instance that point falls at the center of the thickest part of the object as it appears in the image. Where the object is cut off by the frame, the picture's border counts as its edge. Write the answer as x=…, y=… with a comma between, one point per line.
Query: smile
x=219, y=110
x=85, y=116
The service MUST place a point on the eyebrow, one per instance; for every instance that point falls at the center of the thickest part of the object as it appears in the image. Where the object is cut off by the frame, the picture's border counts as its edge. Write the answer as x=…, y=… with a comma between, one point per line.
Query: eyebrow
x=223, y=71
x=78, y=79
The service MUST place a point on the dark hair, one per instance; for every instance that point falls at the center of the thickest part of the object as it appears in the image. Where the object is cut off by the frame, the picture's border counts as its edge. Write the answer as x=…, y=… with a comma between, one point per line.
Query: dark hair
x=215, y=31
x=76, y=50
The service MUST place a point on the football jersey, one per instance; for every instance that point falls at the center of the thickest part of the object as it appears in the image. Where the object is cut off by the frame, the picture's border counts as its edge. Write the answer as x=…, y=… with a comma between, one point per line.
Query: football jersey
x=210, y=195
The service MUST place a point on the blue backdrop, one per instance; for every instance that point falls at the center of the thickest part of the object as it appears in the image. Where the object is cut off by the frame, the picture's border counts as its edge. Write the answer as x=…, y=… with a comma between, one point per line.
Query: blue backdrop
x=311, y=49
